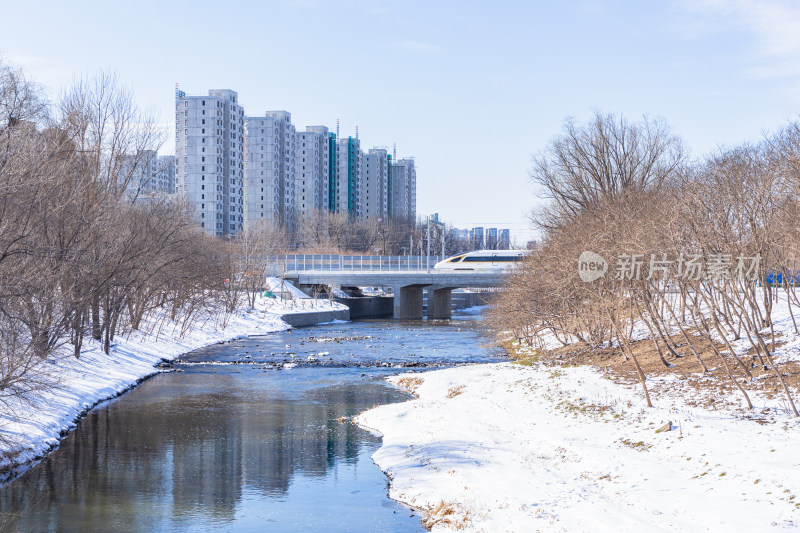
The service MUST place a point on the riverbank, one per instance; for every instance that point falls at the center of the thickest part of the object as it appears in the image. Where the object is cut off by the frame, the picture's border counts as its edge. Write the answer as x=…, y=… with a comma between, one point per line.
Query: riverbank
x=505, y=447
x=563, y=440
x=30, y=429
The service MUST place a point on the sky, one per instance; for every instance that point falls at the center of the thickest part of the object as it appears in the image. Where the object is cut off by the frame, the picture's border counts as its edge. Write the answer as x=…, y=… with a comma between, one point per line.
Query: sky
x=471, y=90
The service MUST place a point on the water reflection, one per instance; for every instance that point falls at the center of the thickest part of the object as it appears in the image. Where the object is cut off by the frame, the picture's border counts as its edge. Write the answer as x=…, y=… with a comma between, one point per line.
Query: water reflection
x=230, y=447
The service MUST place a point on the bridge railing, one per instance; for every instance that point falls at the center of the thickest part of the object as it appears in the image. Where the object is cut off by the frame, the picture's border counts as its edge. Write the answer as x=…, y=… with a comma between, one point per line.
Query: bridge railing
x=336, y=263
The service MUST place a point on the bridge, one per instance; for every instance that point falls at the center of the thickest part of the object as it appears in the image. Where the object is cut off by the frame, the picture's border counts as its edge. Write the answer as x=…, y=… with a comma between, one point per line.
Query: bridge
x=407, y=276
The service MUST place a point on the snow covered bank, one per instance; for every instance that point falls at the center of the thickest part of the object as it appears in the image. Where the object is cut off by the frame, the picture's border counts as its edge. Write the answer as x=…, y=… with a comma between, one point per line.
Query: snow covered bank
x=505, y=447
x=29, y=430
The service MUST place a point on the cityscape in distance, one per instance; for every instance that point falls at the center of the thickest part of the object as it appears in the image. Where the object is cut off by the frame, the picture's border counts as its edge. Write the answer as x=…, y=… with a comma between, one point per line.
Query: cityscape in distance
x=243, y=171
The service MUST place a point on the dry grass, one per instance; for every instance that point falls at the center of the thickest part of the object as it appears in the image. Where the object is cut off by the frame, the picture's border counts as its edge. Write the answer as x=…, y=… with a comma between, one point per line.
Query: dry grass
x=452, y=392
x=410, y=383
x=446, y=513
x=708, y=390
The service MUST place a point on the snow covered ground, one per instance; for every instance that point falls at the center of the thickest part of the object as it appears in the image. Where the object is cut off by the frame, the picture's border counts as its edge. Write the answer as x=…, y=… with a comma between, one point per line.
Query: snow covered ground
x=505, y=447
x=556, y=447
x=29, y=430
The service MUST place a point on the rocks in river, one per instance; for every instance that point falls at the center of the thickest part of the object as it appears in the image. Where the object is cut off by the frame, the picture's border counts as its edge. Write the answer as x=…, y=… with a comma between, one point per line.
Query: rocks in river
x=339, y=340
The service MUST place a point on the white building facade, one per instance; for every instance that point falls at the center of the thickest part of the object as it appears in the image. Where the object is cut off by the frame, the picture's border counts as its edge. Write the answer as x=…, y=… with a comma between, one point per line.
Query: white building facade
x=165, y=177
x=209, y=158
x=411, y=187
x=375, y=179
x=313, y=171
x=270, y=169
x=349, y=162
x=399, y=193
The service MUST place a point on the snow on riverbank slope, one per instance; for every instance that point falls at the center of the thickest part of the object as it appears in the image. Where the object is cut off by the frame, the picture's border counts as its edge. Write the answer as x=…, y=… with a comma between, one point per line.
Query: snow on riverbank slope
x=29, y=430
x=505, y=447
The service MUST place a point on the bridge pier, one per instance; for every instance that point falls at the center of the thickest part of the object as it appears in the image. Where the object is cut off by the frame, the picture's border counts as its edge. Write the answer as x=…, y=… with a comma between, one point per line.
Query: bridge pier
x=407, y=301
x=406, y=286
x=439, y=302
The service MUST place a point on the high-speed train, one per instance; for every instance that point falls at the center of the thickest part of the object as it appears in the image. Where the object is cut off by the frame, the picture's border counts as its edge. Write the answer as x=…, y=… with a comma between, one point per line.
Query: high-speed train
x=496, y=260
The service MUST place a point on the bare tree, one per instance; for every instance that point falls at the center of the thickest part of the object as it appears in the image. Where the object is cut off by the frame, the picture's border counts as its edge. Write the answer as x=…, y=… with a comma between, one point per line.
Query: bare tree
x=601, y=159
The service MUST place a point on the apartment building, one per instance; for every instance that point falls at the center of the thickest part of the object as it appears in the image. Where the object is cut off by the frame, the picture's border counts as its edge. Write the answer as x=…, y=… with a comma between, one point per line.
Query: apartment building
x=209, y=158
x=312, y=171
x=270, y=169
x=375, y=179
x=349, y=162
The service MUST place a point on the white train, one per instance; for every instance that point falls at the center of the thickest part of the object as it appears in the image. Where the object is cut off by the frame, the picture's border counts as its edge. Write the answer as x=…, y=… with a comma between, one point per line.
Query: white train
x=498, y=260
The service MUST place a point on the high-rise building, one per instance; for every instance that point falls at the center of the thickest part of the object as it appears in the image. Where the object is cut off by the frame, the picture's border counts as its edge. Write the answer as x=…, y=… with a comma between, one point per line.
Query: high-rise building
x=349, y=161
x=238, y=170
x=374, y=183
x=403, y=190
x=149, y=174
x=312, y=171
x=477, y=238
x=411, y=186
x=333, y=170
x=398, y=193
x=505, y=239
x=491, y=238
x=165, y=178
x=139, y=171
x=270, y=169
x=209, y=151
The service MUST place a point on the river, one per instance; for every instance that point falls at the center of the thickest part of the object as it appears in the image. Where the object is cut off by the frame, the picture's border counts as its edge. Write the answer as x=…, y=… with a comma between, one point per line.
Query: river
x=244, y=436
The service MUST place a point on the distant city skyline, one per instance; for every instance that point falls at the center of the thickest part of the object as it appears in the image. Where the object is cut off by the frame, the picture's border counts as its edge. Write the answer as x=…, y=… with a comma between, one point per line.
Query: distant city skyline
x=472, y=90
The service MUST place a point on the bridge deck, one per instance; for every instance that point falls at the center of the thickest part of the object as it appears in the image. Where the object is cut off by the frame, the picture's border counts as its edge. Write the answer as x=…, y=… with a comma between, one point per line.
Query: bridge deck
x=442, y=278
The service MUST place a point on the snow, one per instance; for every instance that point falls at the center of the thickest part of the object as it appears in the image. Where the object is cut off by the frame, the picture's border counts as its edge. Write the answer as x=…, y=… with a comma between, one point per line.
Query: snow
x=339, y=293
x=333, y=322
x=29, y=430
x=474, y=310
x=546, y=447
x=558, y=449
x=285, y=288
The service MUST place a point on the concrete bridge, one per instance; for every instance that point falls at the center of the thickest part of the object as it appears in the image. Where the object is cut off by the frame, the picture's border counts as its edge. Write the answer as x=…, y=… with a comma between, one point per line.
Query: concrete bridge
x=406, y=285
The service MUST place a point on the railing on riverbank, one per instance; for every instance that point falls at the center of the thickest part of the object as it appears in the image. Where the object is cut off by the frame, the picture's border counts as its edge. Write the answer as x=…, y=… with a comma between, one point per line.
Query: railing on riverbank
x=360, y=263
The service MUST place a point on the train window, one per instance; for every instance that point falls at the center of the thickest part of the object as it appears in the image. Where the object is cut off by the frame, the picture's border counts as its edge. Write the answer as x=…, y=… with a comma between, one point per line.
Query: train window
x=491, y=259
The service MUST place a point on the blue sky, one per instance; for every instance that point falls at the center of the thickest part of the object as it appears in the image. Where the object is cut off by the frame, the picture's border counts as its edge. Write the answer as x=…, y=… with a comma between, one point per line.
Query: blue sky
x=471, y=89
